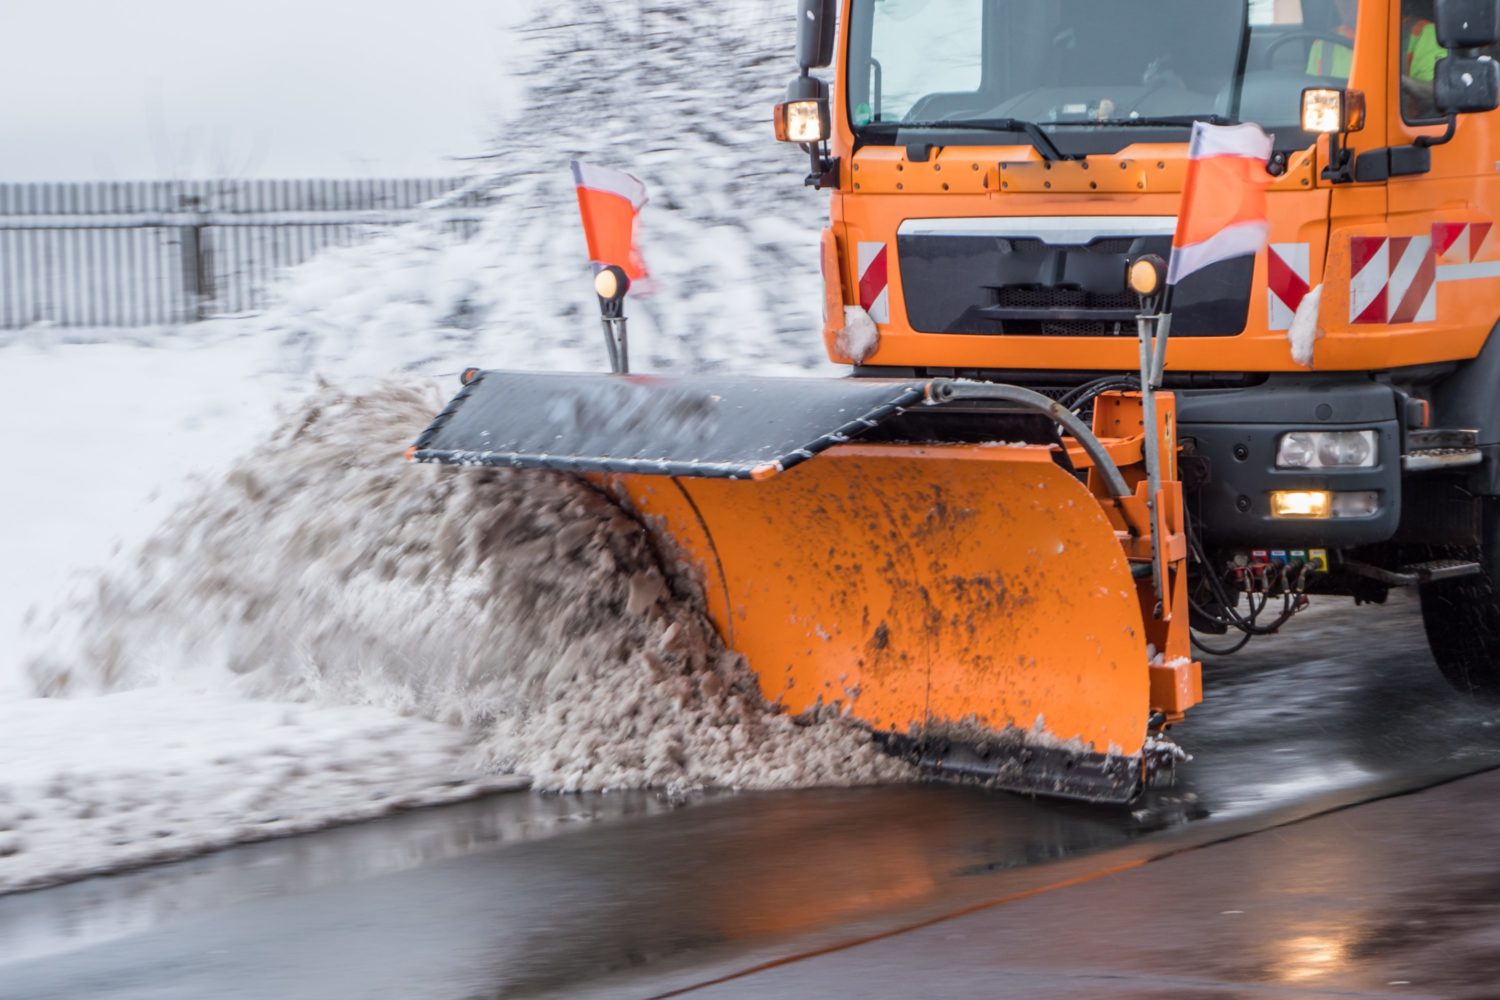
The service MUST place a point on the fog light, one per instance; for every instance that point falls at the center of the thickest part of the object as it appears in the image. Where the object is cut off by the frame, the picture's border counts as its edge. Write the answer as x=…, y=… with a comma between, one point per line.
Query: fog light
x=1310, y=504
x=1328, y=450
x=1365, y=503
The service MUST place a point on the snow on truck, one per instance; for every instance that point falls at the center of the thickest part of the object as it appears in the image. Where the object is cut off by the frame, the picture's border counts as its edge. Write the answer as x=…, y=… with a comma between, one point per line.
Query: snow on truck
x=1163, y=316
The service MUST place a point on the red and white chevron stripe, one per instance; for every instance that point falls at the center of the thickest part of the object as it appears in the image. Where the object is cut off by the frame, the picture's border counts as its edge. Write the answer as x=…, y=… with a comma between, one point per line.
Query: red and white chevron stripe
x=1394, y=280
x=874, y=281
x=1459, y=242
x=1288, y=280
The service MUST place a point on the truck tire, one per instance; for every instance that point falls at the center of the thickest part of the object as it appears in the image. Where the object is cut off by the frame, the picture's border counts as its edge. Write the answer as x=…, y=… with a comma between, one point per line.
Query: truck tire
x=1462, y=618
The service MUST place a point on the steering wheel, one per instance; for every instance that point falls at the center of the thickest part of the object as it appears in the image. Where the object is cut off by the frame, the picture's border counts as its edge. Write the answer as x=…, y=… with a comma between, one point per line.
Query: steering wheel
x=1268, y=55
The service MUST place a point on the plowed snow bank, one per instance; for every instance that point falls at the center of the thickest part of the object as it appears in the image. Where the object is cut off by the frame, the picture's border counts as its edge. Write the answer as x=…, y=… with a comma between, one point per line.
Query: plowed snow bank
x=95, y=785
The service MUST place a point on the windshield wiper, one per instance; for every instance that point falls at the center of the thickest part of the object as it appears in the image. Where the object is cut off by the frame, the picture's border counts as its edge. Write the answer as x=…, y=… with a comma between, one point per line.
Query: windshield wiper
x=1158, y=121
x=1038, y=136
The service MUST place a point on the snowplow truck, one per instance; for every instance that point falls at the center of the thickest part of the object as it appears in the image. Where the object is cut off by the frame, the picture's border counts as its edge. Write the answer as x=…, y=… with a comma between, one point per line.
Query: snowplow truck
x=1002, y=541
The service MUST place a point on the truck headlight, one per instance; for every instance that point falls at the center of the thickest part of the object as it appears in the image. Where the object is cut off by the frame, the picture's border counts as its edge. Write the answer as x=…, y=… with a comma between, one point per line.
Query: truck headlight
x=1328, y=450
x=1296, y=451
x=803, y=122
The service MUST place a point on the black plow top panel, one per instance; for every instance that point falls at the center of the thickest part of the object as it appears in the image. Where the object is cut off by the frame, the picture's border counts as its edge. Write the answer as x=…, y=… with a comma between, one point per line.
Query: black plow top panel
x=706, y=427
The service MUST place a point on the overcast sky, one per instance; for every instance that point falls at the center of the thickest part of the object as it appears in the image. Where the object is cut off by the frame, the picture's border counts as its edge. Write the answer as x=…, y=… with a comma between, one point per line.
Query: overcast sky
x=141, y=89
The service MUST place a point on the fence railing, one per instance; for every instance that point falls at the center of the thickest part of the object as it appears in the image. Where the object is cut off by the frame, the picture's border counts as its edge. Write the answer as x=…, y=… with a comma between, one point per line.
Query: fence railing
x=161, y=252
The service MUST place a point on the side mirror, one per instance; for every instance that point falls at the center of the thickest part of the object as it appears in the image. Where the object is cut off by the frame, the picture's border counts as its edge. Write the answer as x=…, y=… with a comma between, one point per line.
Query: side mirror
x=1467, y=24
x=817, y=21
x=1465, y=86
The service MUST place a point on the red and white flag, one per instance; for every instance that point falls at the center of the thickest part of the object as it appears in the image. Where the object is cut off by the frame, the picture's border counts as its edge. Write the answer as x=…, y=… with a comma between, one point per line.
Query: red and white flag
x=610, y=202
x=1223, y=212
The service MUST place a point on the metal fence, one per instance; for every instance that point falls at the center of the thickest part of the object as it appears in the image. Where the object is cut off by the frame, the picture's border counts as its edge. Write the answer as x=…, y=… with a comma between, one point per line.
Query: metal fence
x=161, y=252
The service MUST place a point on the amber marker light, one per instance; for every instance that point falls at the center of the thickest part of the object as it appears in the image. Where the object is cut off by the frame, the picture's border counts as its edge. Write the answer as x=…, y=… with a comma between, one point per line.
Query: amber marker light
x=1145, y=276
x=607, y=284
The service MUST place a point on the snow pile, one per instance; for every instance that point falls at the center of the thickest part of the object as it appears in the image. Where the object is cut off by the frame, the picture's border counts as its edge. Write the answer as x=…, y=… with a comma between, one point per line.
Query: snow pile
x=525, y=608
x=153, y=775
x=482, y=621
x=860, y=337
x=677, y=92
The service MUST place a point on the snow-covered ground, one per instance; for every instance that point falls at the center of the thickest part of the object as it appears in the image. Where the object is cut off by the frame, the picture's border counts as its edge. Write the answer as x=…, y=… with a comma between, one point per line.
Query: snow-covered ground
x=107, y=438
x=250, y=618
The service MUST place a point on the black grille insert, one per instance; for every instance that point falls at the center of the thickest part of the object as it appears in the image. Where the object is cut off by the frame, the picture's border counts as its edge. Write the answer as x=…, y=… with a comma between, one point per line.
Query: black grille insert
x=1012, y=286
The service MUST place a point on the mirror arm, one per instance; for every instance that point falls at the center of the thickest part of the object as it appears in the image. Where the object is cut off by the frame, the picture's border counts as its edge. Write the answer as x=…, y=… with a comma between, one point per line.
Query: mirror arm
x=1340, y=169
x=824, y=170
x=1427, y=141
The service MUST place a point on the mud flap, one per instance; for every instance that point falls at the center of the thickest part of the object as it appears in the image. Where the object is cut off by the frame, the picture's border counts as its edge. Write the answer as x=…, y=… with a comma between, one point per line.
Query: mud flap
x=970, y=602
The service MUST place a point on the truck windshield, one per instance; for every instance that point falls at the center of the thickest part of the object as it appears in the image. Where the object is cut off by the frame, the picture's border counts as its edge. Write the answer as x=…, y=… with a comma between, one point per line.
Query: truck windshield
x=1091, y=64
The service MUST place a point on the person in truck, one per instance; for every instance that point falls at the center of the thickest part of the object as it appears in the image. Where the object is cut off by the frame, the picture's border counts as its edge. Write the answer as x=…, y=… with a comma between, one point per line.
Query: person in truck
x=1420, y=52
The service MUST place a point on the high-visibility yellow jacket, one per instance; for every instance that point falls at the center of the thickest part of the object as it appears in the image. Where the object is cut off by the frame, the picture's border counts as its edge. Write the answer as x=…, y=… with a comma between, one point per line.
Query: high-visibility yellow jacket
x=1422, y=52
x=1422, y=49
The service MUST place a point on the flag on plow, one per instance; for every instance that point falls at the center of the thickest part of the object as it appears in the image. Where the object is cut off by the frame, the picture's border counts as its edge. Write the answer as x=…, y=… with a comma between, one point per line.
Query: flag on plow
x=1223, y=212
x=610, y=202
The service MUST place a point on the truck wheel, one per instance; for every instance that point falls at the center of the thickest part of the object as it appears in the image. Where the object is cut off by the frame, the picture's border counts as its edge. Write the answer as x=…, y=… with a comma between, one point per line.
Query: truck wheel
x=1462, y=618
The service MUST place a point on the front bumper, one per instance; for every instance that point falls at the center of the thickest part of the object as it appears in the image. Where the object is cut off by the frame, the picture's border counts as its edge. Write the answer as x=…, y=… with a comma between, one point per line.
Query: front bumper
x=1230, y=437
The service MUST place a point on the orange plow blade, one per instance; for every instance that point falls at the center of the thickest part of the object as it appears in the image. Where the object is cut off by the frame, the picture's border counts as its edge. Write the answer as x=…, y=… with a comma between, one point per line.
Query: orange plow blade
x=953, y=597
x=977, y=605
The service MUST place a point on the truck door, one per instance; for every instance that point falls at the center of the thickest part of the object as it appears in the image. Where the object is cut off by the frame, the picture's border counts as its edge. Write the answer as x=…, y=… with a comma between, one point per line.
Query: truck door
x=1441, y=293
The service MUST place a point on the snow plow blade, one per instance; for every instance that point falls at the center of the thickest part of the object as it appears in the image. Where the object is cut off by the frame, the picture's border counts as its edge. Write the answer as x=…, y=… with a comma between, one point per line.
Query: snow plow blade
x=972, y=603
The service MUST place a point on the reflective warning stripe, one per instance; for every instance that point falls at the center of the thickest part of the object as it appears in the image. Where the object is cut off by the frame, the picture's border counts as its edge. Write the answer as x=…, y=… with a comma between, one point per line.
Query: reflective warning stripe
x=874, y=281
x=1370, y=270
x=1394, y=280
x=1288, y=280
x=1459, y=242
x=1413, y=295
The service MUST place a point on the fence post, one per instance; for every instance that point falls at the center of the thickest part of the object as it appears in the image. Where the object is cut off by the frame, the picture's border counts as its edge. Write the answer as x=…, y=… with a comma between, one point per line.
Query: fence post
x=197, y=267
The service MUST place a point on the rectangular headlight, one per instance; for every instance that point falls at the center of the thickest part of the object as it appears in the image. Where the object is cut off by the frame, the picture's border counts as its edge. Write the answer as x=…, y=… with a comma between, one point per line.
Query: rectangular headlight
x=1328, y=450
x=1332, y=112
x=803, y=122
x=1315, y=505
x=1323, y=110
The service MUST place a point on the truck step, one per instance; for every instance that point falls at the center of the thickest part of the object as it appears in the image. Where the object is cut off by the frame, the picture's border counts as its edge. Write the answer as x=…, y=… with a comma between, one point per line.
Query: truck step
x=1431, y=459
x=1433, y=449
x=1415, y=574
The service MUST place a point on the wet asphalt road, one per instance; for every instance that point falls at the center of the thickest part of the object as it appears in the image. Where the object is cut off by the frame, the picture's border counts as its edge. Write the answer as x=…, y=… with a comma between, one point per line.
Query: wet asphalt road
x=631, y=896
x=1396, y=898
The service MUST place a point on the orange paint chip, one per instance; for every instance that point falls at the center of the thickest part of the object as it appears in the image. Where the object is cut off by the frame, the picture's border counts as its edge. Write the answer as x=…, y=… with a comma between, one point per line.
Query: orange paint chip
x=763, y=472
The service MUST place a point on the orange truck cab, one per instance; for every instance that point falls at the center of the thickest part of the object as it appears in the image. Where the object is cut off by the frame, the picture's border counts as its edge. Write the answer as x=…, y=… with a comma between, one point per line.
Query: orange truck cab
x=994, y=166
